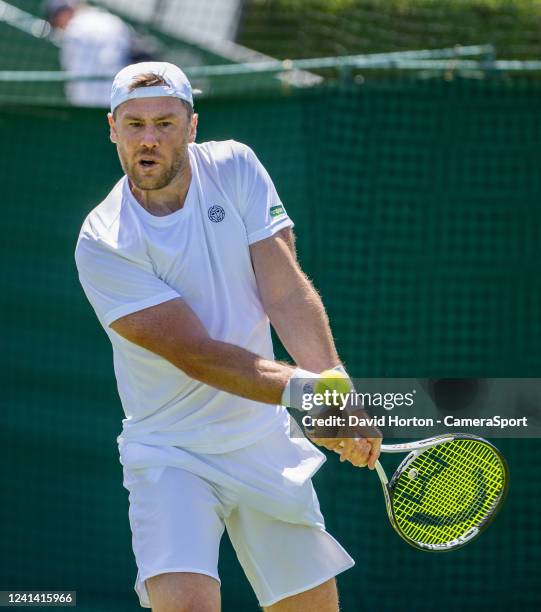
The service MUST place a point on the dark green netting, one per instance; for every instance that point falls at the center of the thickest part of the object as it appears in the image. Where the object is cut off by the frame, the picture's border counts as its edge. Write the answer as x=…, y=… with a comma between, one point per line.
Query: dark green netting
x=417, y=210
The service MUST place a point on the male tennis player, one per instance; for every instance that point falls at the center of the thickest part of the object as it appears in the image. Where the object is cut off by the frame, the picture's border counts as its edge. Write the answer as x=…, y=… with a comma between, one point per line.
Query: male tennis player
x=185, y=262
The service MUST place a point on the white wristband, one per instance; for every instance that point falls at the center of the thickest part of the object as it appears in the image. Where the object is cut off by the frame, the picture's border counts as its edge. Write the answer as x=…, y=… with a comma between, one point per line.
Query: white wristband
x=296, y=387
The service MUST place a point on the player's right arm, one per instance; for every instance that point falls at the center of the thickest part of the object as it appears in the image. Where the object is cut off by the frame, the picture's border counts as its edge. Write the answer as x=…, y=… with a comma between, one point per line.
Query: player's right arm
x=173, y=331
x=129, y=298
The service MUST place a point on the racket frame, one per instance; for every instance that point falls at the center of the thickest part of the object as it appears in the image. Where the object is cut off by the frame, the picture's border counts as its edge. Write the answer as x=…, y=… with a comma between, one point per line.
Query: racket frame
x=415, y=449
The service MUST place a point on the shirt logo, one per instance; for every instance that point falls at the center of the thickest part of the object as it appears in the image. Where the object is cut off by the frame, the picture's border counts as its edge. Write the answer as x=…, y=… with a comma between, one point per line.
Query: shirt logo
x=276, y=211
x=216, y=213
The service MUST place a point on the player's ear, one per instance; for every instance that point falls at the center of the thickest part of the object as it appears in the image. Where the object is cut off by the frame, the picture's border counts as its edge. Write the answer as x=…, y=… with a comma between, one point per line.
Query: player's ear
x=112, y=128
x=193, y=128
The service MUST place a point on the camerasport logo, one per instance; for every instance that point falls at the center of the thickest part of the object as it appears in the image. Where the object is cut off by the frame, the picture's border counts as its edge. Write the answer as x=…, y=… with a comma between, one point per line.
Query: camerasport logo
x=216, y=213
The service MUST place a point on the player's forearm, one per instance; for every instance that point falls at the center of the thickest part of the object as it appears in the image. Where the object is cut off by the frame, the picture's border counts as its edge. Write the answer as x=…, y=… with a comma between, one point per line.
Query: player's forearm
x=173, y=331
x=303, y=327
x=233, y=369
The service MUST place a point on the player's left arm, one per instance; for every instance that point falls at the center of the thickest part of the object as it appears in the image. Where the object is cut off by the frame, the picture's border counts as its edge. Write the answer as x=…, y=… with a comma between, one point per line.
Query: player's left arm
x=298, y=316
x=292, y=304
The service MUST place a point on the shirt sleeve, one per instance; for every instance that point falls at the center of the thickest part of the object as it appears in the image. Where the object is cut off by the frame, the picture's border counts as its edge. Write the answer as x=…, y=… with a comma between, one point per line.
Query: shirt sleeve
x=260, y=206
x=116, y=285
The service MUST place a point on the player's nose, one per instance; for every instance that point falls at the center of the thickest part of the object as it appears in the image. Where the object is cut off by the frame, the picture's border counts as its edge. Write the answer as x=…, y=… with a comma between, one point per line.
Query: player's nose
x=149, y=137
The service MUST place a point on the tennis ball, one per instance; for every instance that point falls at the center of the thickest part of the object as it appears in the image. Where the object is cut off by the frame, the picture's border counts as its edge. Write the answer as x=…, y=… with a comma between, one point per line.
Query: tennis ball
x=331, y=380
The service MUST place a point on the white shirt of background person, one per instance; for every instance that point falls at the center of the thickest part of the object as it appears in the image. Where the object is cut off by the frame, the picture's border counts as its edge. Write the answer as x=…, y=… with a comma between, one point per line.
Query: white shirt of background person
x=93, y=42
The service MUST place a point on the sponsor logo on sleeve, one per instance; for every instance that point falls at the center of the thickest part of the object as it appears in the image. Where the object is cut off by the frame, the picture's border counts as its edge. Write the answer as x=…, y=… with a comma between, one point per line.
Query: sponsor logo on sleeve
x=276, y=211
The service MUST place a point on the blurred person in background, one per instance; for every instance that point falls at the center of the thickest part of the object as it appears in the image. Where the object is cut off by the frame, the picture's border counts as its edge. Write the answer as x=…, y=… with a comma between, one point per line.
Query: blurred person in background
x=92, y=41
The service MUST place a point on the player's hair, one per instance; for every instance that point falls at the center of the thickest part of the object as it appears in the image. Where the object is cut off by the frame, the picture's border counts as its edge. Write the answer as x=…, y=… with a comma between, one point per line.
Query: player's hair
x=149, y=79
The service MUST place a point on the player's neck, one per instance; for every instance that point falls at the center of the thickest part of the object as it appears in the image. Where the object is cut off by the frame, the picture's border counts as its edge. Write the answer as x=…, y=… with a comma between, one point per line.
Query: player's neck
x=162, y=202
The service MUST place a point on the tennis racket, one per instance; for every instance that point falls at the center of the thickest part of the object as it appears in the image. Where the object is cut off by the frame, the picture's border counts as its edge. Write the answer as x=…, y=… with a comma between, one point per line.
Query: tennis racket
x=446, y=491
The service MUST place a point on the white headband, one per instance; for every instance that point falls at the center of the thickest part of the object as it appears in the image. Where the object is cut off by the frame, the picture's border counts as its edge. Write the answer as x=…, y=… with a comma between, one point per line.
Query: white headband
x=177, y=86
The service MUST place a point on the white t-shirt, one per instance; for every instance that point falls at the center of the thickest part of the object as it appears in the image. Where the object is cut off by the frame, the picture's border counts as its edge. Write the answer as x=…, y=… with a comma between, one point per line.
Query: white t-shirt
x=94, y=42
x=129, y=260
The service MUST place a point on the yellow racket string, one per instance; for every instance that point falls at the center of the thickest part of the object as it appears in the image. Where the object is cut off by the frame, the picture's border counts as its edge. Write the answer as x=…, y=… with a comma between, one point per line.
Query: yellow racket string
x=447, y=490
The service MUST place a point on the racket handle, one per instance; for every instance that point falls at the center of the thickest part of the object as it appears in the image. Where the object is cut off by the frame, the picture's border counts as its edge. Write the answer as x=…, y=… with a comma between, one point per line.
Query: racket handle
x=381, y=473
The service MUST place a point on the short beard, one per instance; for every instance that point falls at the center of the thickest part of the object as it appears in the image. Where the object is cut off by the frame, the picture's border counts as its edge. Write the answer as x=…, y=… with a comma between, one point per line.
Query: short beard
x=162, y=180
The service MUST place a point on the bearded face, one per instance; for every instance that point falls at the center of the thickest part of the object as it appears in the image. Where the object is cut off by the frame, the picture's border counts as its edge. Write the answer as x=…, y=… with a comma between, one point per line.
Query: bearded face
x=152, y=136
x=149, y=170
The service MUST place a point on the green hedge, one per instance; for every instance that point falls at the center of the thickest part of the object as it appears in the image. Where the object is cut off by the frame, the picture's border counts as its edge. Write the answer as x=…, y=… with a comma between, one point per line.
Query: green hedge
x=315, y=28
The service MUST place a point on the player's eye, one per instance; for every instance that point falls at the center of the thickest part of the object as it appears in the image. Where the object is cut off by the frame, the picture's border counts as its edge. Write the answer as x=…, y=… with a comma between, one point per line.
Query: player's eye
x=165, y=123
x=135, y=124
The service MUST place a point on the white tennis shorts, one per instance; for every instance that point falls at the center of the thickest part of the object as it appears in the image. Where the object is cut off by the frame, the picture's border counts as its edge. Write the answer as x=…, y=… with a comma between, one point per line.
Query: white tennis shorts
x=180, y=503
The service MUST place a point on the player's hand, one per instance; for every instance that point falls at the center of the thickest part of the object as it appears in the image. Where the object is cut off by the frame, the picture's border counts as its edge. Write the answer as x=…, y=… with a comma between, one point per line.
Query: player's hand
x=360, y=452
x=360, y=445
